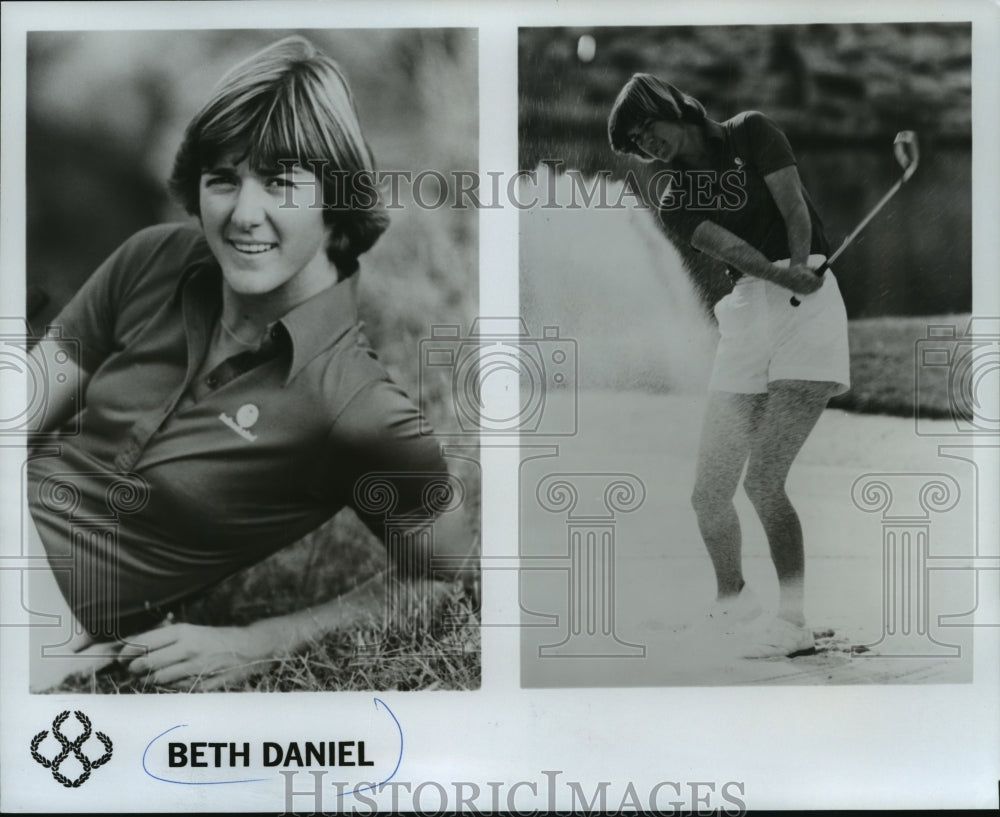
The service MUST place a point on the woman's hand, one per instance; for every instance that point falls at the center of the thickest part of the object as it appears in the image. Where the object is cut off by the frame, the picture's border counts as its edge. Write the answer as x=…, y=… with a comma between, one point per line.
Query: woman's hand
x=188, y=655
x=802, y=279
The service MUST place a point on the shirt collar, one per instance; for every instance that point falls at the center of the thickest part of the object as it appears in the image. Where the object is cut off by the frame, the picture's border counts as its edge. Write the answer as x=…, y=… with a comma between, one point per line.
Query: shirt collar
x=320, y=322
x=718, y=146
x=715, y=131
x=312, y=326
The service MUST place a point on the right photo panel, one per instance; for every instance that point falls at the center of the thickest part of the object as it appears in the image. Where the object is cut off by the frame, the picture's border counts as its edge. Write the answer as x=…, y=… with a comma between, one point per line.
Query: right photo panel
x=746, y=262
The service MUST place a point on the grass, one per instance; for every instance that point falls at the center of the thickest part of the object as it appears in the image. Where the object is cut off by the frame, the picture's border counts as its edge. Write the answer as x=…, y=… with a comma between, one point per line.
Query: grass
x=421, y=273
x=884, y=374
x=442, y=654
x=445, y=655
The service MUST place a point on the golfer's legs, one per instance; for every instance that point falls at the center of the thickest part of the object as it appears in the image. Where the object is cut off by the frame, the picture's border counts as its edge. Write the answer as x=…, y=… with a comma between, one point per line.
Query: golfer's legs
x=723, y=450
x=792, y=410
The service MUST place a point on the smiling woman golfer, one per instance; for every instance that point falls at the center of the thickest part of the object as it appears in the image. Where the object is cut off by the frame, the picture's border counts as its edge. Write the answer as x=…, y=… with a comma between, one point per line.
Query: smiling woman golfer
x=228, y=386
x=736, y=195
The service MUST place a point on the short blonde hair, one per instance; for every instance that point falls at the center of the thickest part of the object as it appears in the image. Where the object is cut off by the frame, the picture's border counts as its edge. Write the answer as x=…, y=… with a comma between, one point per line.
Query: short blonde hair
x=643, y=98
x=290, y=103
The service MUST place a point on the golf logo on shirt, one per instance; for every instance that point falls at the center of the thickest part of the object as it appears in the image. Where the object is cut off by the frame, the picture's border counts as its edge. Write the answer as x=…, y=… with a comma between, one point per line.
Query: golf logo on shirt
x=245, y=418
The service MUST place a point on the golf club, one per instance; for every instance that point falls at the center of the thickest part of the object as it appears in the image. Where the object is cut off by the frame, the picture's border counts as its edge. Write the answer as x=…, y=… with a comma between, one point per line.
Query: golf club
x=907, y=155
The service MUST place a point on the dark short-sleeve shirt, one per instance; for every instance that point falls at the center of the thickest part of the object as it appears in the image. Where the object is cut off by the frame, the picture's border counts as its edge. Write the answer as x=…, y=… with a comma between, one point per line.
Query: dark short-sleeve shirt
x=201, y=475
x=732, y=191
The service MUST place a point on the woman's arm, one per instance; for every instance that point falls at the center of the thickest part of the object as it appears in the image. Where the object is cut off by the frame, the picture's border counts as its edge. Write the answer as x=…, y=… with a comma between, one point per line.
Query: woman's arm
x=786, y=189
x=189, y=655
x=65, y=383
x=733, y=251
x=185, y=655
x=453, y=559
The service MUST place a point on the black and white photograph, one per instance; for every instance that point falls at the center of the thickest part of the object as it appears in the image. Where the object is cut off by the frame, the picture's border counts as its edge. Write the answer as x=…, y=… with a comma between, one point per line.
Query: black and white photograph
x=521, y=406
x=749, y=233
x=225, y=296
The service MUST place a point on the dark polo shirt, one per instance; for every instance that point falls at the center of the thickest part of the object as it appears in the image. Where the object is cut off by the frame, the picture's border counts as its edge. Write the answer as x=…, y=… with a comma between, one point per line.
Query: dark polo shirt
x=734, y=193
x=203, y=475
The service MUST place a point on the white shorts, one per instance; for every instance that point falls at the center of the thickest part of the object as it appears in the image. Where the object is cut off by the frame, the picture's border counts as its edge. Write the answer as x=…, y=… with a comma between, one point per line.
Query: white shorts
x=765, y=338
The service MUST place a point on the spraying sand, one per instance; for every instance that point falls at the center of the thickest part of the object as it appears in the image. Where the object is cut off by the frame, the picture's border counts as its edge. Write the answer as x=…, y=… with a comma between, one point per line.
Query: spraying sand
x=610, y=280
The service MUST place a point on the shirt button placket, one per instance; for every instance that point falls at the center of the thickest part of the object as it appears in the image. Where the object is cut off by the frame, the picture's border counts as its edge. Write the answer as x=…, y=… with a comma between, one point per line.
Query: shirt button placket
x=143, y=431
x=129, y=455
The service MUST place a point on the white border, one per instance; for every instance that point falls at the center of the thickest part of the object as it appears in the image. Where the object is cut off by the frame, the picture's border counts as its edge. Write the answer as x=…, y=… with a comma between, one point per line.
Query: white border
x=810, y=747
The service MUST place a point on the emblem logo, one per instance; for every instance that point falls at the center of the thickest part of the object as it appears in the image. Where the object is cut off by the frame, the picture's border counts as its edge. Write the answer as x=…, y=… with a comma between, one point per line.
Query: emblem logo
x=245, y=418
x=71, y=747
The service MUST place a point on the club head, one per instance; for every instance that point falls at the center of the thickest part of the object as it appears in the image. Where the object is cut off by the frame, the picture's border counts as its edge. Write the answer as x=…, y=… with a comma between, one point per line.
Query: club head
x=907, y=153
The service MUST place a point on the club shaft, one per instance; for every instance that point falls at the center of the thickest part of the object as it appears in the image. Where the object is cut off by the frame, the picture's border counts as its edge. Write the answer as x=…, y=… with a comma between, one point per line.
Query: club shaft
x=908, y=159
x=864, y=222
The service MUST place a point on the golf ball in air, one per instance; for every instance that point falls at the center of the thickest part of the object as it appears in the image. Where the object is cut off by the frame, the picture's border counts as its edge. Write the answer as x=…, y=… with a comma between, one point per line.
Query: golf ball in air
x=586, y=48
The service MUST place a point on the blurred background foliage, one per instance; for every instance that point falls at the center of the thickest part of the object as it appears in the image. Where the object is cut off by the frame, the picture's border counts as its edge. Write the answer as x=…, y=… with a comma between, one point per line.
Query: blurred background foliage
x=840, y=92
x=105, y=113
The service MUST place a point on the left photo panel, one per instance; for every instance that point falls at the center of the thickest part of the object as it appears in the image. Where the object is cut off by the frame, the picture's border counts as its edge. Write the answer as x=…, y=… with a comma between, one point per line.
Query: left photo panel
x=239, y=473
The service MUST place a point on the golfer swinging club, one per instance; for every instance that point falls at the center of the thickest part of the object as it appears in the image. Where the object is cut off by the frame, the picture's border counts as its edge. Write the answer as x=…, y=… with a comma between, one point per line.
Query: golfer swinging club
x=783, y=349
